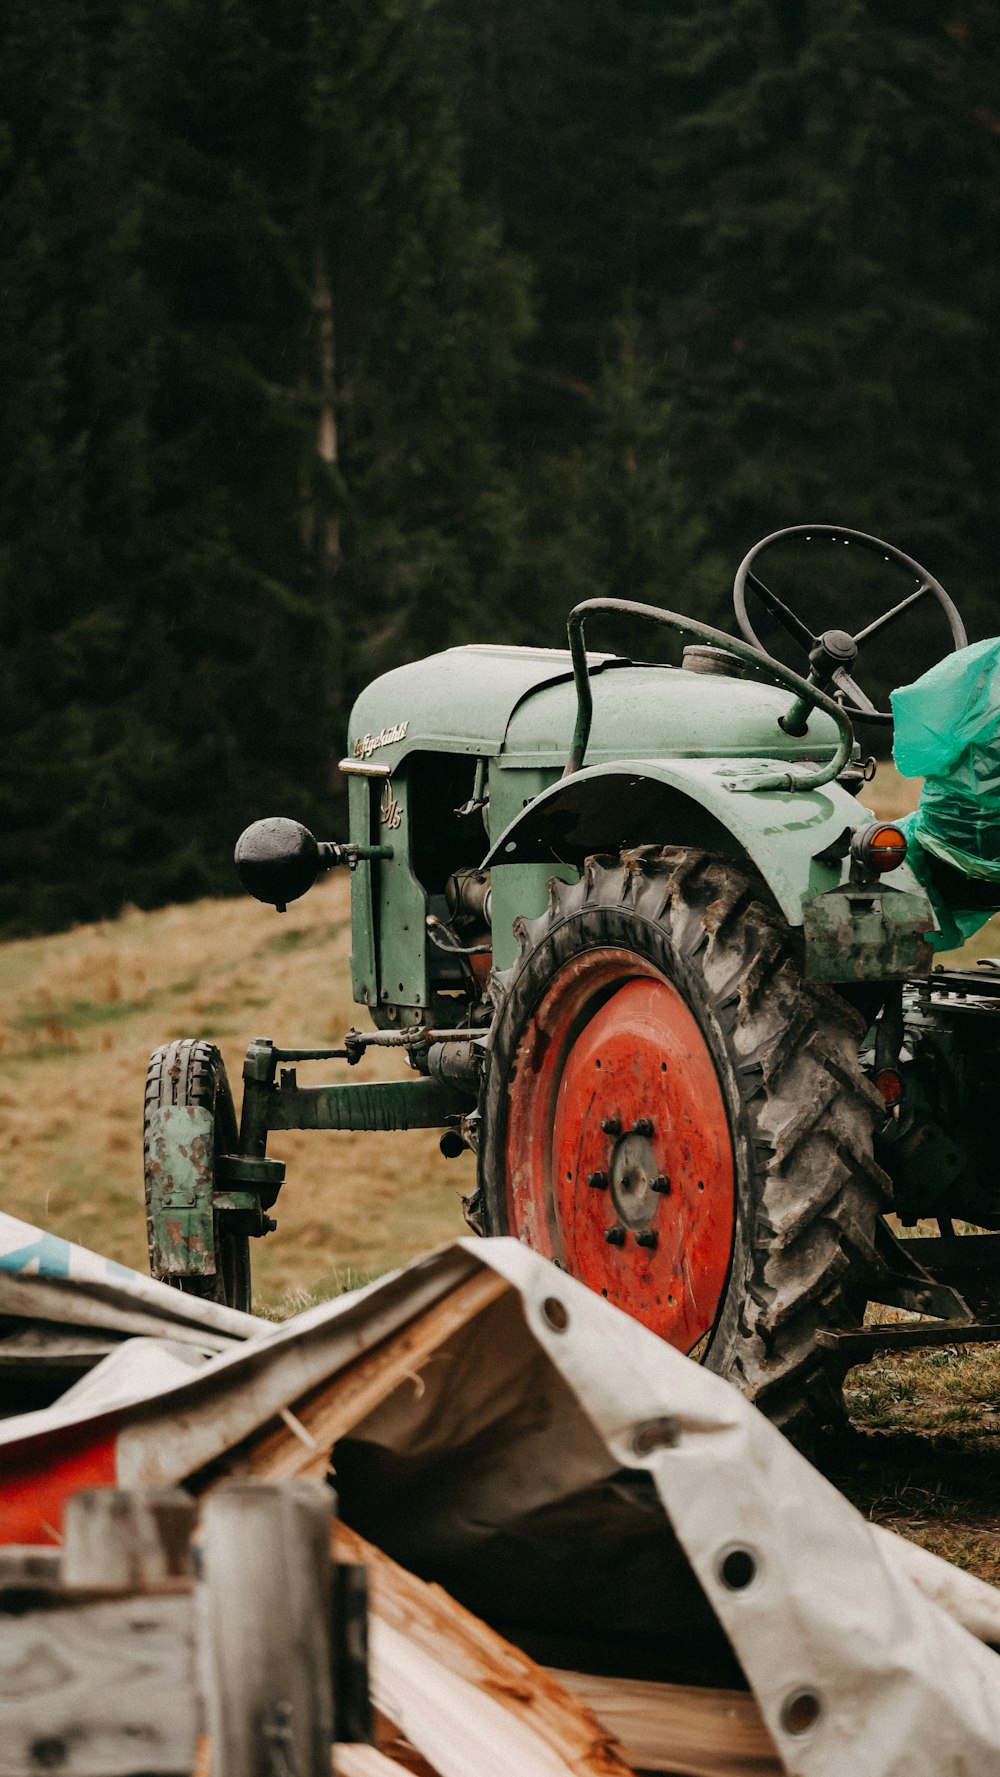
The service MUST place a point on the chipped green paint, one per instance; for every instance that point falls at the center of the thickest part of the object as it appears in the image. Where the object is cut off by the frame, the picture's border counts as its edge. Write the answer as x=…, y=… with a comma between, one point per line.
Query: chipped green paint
x=181, y=1177
x=866, y=933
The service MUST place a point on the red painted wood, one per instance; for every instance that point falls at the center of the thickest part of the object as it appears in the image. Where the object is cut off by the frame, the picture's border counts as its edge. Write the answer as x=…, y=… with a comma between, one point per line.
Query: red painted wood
x=39, y=1475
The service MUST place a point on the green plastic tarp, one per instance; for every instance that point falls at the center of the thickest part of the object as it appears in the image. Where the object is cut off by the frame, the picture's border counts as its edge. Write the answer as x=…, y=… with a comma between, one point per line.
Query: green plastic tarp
x=947, y=731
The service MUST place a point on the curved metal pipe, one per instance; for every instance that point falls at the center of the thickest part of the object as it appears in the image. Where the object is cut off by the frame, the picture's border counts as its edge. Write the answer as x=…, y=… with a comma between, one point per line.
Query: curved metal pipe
x=789, y=779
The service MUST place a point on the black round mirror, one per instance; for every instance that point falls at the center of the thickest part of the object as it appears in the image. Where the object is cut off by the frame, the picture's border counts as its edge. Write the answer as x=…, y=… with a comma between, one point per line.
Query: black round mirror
x=277, y=860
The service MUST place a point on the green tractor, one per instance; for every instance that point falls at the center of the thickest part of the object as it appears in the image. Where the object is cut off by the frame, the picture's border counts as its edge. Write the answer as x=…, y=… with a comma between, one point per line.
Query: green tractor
x=644, y=952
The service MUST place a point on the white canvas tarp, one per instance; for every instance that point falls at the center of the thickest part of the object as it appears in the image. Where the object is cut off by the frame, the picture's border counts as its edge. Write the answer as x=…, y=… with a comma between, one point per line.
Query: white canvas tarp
x=45, y=1278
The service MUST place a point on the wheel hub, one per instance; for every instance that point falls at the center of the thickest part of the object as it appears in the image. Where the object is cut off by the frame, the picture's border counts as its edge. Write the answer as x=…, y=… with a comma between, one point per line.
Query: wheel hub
x=619, y=1154
x=633, y=1172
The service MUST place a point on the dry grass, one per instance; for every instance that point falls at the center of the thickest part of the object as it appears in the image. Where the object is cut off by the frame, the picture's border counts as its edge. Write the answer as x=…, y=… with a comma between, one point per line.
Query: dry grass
x=890, y=795
x=924, y=1455
x=79, y=1013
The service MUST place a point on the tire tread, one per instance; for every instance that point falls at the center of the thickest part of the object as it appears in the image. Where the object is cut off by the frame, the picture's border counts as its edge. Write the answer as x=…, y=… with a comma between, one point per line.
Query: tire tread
x=806, y=1113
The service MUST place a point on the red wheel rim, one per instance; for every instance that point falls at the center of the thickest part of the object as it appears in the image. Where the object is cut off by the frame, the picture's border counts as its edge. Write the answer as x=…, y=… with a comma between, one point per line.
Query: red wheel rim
x=617, y=1125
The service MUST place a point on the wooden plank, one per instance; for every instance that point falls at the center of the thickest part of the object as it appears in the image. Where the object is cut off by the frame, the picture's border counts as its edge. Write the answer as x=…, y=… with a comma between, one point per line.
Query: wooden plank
x=396, y=1746
x=330, y=1411
x=265, y=1621
x=458, y=1691
x=355, y=1760
x=352, y=1709
x=687, y=1730
x=101, y=1689
x=460, y=1727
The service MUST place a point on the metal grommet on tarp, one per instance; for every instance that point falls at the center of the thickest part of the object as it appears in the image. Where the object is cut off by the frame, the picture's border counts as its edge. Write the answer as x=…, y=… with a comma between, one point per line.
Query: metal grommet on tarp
x=801, y=1711
x=556, y=1314
x=737, y=1568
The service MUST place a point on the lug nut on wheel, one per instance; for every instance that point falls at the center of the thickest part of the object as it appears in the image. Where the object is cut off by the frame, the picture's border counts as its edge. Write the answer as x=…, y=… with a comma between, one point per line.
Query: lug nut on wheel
x=661, y=1184
x=615, y=1236
x=598, y=1181
x=647, y=1237
x=643, y=1126
x=612, y=1125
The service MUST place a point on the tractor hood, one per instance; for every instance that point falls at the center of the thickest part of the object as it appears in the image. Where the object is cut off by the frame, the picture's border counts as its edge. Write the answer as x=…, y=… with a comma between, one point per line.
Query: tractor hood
x=520, y=704
x=460, y=701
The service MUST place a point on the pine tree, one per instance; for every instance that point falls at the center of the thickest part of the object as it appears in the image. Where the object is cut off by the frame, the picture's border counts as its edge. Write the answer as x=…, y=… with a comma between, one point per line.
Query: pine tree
x=253, y=453
x=71, y=465
x=800, y=202
x=428, y=311
x=611, y=515
x=562, y=107
x=828, y=308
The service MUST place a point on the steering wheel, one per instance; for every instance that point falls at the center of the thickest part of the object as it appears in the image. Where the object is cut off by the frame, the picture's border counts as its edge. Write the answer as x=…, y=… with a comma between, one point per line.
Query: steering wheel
x=832, y=654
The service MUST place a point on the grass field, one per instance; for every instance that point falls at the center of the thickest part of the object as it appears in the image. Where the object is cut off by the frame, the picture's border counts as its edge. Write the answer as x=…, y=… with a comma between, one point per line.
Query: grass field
x=79, y=1013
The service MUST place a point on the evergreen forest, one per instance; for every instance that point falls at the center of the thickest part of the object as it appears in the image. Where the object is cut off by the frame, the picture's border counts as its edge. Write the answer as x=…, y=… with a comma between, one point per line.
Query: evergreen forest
x=338, y=331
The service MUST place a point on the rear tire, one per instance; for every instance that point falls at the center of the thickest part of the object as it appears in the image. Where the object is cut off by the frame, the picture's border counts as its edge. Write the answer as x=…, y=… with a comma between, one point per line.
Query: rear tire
x=192, y=1072
x=663, y=990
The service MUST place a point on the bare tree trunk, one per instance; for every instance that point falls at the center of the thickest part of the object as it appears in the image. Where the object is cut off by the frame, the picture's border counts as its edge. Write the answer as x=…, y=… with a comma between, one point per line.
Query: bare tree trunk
x=319, y=525
x=321, y=530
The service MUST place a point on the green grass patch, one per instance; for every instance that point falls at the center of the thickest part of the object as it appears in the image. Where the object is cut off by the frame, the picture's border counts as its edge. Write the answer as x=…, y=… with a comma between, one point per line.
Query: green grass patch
x=285, y=942
x=77, y=1015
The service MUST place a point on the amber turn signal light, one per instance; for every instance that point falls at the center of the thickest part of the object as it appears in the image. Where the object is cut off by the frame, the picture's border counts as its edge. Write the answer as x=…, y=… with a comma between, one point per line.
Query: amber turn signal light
x=879, y=847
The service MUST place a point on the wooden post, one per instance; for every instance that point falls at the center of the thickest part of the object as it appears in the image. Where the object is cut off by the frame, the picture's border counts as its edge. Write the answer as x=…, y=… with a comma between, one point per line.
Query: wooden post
x=265, y=1627
x=127, y=1542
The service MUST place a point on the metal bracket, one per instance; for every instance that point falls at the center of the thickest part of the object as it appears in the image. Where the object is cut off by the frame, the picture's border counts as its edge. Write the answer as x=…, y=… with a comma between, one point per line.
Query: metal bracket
x=260, y=1177
x=382, y=1104
x=860, y=1343
x=871, y=933
x=905, y=1283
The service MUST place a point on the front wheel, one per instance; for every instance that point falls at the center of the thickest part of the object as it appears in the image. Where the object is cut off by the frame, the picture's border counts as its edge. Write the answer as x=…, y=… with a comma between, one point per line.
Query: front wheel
x=675, y=1117
x=192, y=1072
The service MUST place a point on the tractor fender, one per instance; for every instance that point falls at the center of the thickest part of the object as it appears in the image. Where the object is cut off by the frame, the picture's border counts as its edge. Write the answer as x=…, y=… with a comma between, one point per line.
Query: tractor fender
x=783, y=833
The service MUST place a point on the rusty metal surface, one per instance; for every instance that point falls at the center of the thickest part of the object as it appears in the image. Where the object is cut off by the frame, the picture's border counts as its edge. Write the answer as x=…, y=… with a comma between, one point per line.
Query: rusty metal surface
x=861, y=1343
x=866, y=934
x=180, y=1175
